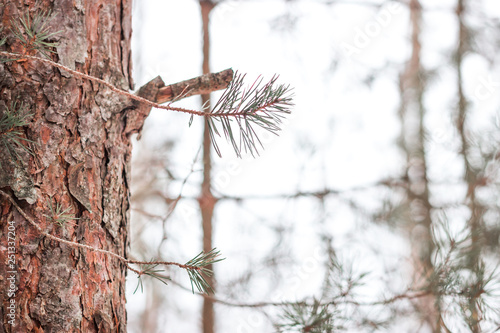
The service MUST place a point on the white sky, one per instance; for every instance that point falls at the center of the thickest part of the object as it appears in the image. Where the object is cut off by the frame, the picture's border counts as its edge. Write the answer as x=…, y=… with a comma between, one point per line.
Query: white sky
x=353, y=126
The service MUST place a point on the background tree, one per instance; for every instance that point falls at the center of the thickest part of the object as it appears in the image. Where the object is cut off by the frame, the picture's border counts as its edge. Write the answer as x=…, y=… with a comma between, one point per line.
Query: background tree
x=207, y=200
x=382, y=157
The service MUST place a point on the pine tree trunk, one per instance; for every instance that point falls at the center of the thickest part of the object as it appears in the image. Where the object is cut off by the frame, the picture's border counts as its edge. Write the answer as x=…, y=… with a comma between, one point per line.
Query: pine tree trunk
x=413, y=142
x=80, y=163
x=207, y=201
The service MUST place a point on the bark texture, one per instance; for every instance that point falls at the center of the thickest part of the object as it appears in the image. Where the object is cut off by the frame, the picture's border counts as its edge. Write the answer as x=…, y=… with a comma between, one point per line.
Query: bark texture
x=81, y=163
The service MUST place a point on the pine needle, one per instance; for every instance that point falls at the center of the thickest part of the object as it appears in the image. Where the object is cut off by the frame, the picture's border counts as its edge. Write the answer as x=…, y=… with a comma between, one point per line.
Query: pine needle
x=240, y=112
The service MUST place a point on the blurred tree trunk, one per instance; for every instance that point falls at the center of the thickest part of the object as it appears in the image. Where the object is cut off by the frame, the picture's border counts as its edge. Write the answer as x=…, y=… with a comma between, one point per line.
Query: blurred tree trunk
x=81, y=163
x=413, y=137
x=472, y=176
x=206, y=199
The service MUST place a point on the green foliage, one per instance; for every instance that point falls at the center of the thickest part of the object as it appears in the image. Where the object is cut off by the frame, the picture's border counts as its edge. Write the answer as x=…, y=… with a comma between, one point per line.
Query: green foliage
x=196, y=269
x=330, y=313
x=150, y=270
x=2, y=40
x=11, y=136
x=315, y=318
x=341, y=280
x=261, y=106
x=466, y=285
x=60, y=215
x=34, y=33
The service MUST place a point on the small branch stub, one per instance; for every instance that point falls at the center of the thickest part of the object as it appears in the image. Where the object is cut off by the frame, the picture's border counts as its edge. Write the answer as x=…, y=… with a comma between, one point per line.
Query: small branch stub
x=204, y=84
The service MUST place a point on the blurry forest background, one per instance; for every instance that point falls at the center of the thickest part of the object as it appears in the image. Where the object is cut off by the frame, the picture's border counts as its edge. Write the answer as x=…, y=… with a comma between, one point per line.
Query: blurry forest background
x=376, y=209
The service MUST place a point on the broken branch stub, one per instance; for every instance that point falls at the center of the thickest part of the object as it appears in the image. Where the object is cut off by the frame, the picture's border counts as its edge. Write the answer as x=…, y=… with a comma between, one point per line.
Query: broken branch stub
x=204, y=84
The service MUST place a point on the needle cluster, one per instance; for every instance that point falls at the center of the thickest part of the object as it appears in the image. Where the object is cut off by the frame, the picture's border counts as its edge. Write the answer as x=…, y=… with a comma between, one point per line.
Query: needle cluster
x=34, y=34
x=310, y=318
x=151, y=270
x=239, y=112
x=197, y=270
x=59, y=215
x=11, y=135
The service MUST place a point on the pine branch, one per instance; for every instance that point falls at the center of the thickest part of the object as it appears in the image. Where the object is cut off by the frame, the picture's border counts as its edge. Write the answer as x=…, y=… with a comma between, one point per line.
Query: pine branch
x=464, y=281
x=101, y=81
x=335, y=301
x=316, y=318
x=149, y=269
x=198, y=265
x=195, y=267
x=262, y=106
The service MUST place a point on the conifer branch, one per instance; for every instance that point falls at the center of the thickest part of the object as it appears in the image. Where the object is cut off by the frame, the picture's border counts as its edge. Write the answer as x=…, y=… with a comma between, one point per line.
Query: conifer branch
x=264, y=107
x=336, y=300
x=167, y=96
x=149, y=269
x=195, y=267
x=199, y=263
x=102, y=82
x=316, y=318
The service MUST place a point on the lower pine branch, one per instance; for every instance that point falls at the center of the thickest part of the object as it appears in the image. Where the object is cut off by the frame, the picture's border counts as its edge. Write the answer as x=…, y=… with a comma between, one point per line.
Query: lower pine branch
x=124, y=260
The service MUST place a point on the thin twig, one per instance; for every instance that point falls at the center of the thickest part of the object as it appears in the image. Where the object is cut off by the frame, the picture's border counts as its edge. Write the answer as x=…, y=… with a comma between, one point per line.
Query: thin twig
x=46, y=234
x=90, y=248
x=105, y=83
x=168, y=263
x=335, y=301
x=220, y=80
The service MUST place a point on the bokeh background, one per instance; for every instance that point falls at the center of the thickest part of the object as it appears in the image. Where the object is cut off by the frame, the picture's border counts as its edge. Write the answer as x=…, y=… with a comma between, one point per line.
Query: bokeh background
x=379, y=200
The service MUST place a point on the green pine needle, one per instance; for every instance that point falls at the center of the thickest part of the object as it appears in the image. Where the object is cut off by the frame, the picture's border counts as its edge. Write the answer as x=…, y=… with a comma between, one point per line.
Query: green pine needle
x=34, y=33
x=2, y=40
x=196, y=269
x=11, y=136
x=59, y=215
x=150, y=270
x=240, y=111
x=307, y=318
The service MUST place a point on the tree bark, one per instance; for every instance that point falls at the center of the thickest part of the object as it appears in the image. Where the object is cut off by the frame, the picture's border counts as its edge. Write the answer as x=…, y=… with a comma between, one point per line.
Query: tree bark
x=207, y=201
x=80, y=163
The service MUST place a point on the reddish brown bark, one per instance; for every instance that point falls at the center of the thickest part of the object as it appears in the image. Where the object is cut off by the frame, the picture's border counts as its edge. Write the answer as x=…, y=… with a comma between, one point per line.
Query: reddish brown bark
x=81, y=162
x=207, y=201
